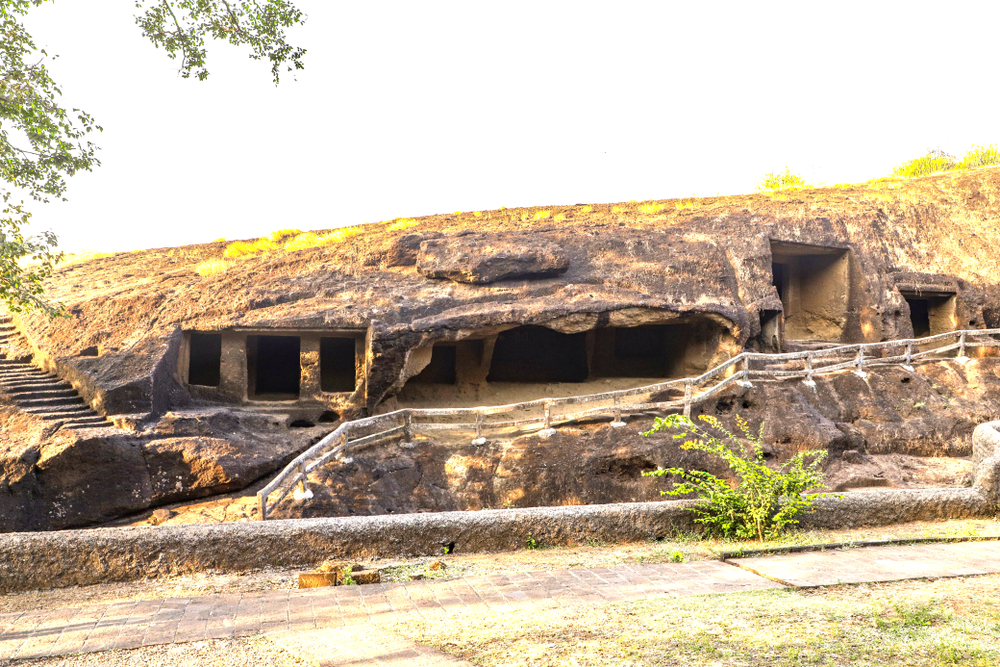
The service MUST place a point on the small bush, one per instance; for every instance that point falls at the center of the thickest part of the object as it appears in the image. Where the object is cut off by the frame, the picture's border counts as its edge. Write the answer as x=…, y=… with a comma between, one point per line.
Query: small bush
x=542, y=215
x=559, y=217
x=314, y=240
x=765, y=501
x=211, y=267
x=981, y=156
x=932, y=163
x=400, y=224
x=781, y=181
x=238, y=249
x=281, y=234
x=650, y=208
x=587, y=208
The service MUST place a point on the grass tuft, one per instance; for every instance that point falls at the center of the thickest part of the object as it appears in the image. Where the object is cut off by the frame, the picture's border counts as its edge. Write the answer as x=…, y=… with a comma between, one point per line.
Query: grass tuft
x=586, y=209
x=981, y=156
x=924, y=166
x=238, y=249
x=780, y=181
x=542, y=215
x=281, y=234
x=401, y=223
x=211, y=267
x=314, y=240
x=650, y=208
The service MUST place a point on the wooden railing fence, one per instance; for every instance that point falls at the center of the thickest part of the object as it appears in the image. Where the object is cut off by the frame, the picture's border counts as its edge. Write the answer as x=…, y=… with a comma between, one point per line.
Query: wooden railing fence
x=546, y=413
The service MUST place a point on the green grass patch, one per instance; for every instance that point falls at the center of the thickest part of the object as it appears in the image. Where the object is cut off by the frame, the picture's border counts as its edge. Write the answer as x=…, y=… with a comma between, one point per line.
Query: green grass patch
x=919, y=623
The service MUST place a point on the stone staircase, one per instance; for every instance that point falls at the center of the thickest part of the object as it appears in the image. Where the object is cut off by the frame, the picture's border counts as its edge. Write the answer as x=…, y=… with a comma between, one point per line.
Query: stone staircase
x=42, y=394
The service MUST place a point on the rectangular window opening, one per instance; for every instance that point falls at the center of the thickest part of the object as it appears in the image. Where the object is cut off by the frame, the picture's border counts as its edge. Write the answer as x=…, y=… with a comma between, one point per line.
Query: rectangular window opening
x=204, y=359
x=337, y=364
x=813, y=283
x=931, y=315
x=274, y=370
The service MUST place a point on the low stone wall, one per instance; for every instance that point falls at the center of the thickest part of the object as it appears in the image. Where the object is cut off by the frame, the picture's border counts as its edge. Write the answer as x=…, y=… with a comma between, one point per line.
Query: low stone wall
x=80, y=557
x=986, y=460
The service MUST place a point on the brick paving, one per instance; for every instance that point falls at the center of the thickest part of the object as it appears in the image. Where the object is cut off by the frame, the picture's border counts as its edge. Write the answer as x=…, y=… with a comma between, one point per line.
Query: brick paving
x=312, y=613
x=346, y=625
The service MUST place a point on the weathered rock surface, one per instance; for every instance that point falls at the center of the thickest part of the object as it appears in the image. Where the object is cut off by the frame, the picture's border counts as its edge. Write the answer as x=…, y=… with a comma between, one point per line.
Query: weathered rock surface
x=577, y=270
x=481, y=259
x=73, y=478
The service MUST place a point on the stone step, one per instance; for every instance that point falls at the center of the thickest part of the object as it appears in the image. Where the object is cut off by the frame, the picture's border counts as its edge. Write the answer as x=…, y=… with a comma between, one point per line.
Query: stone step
x=34, y=379
x=49, y=402
x=36, y=385
x=73, y=426
x=23, y=371
x=26, y=394
x=65, y=416
x=77, y=410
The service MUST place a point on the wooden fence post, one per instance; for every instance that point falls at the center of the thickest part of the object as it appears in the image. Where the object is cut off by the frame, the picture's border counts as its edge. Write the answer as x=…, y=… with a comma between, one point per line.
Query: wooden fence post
x=809, y=382
x=962, y=358
x=547, y=430
x=479, y=439
x=618, y=423
x=688, y=395
x=860, y=372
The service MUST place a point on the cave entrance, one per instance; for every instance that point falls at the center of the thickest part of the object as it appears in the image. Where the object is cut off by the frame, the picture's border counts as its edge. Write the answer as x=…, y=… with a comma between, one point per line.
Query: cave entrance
x=204, y=359
x=338, y=368
x=443, y=366
x=535, y=354
x=273, y=367
x=813, y=283
x=656, y=350
x=931, y=314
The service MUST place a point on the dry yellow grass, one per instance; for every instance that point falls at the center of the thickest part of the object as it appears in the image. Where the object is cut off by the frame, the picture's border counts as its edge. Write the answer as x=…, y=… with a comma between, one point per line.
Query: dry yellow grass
x=281, y=234
x=314, y=240
x=238, y=249
x=651, y=208
x=84, y=256
x=400, y=224
x=211, y=267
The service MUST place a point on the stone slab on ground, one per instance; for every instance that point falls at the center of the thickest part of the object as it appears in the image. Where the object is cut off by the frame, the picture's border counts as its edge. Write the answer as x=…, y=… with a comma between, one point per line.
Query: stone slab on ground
x=870, y=564
x=361, y=645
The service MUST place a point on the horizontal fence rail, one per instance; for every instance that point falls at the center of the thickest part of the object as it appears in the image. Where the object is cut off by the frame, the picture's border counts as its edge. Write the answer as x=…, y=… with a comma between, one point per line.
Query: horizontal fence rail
x=545, y=414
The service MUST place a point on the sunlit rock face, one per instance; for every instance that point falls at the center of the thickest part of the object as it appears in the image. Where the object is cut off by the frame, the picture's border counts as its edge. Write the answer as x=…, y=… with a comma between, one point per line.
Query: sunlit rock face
x=241, y=366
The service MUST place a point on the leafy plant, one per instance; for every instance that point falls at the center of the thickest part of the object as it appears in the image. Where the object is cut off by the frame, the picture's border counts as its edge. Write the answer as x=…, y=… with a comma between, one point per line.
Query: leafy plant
x=781, y=181
x=531, y=542
x=764, y=502
x=345, y=577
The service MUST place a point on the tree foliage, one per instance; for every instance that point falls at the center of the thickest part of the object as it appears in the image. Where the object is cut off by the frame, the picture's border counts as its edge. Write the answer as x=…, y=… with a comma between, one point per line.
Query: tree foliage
x=42, y=142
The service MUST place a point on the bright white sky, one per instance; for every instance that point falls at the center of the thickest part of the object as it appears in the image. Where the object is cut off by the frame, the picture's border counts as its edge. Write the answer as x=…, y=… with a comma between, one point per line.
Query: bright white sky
x=413, y=108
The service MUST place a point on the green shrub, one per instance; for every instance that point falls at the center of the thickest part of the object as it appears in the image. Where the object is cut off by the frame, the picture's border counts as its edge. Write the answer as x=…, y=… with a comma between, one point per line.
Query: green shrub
x=773, y=181
x=981, y=156
x=765, y=501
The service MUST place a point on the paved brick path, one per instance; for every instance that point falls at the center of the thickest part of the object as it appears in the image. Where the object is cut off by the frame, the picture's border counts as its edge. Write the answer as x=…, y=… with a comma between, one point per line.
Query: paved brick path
x=133, y=624
x=345, y=625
